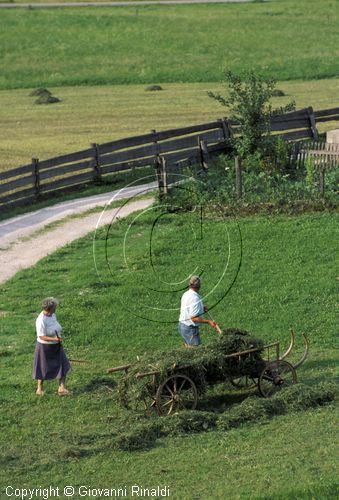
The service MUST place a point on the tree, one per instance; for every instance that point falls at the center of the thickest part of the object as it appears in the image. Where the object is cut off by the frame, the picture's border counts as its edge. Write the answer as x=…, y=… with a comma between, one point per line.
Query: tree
x=248, y=101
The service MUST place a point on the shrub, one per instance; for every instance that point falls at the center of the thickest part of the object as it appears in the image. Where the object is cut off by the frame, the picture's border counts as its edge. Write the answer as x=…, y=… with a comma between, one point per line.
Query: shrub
x=248, y=101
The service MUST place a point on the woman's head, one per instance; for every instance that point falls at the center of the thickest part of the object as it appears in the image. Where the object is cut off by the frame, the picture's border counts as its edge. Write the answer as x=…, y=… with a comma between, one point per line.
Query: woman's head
x=50, y=304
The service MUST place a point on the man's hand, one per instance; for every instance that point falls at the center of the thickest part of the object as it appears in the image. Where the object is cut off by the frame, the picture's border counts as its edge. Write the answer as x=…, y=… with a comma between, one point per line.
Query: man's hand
x=212, y=323
x=215, y=325
x=205, y=309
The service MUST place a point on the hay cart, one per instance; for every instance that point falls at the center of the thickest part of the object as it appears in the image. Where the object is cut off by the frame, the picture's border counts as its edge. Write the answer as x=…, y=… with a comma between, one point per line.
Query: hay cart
x=176, y=390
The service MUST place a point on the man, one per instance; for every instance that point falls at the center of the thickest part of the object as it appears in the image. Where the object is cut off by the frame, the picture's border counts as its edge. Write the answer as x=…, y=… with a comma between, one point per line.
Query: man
x=191, y=314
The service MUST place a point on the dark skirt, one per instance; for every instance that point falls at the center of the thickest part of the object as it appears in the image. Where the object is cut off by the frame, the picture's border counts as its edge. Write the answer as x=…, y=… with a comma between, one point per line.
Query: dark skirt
x=50, y=361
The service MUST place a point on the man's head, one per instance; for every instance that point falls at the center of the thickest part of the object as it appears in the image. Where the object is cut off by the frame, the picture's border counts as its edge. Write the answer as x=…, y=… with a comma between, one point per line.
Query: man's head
x=195, y=282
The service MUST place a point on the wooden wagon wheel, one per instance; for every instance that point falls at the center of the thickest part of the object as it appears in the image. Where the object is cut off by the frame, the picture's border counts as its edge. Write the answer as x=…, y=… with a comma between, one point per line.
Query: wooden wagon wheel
x=244, y=382
x=177, y=392
x=275, y=376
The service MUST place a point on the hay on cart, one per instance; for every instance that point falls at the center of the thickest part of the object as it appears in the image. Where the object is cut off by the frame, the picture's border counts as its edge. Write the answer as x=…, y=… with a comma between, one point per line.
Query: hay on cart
x=205, y=365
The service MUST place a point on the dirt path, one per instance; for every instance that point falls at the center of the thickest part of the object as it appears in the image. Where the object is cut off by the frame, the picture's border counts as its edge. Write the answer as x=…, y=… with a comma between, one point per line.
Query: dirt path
x=22, y=244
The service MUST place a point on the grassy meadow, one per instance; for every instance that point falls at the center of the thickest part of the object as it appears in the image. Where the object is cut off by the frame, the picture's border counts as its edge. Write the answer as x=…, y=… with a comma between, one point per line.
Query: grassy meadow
x=185, y=43
x=279, y=286
x=100, y=114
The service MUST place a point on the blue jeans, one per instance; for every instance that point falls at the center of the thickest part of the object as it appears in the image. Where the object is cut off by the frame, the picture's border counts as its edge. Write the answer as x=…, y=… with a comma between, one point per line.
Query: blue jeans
x=190, y=334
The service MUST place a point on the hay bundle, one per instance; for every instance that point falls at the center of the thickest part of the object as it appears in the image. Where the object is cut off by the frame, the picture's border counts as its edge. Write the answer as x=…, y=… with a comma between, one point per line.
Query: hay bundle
x=40, y=91
x=205, y=365
x=44, y=96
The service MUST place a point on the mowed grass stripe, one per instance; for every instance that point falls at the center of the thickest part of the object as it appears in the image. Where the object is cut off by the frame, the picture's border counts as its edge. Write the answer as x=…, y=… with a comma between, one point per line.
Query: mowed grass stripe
x=188, y=43
x=100, y=114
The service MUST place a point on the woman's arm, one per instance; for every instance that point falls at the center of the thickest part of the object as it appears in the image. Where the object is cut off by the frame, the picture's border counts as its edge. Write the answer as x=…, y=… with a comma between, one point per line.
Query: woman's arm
x=49, y=339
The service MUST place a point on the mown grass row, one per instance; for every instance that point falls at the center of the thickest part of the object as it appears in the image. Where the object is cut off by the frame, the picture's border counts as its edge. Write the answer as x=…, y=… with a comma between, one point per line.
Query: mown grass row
x=299, y=397
x=187, y=43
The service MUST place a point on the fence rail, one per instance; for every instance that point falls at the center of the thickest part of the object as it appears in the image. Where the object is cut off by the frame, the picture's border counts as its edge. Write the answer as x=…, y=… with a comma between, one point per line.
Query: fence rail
x=191, y=144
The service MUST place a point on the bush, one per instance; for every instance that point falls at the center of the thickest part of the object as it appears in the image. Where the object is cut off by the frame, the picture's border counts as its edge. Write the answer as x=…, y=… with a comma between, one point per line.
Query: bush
x=248, y=101
x=264, y=187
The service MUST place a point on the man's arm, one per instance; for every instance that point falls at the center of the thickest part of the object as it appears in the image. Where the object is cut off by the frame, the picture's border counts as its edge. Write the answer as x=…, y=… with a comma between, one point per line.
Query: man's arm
x=198, y=319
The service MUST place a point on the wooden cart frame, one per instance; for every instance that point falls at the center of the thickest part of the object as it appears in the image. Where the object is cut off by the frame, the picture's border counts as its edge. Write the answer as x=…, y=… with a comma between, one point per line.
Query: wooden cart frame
x=177, y=391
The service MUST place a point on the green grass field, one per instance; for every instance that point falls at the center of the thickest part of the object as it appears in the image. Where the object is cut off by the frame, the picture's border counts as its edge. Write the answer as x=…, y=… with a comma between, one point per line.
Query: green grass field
x=150, y=44
x=99, y=114
x=98, y=62
x=279, y=286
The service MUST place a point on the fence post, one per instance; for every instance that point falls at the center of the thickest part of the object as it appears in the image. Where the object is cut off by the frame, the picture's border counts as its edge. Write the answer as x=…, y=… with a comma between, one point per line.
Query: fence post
x=225, y=128
x=96, y=162
x=204, y=154
x=36, y=177
x=156, y=144
x=294, y=157
x=313, y=123
x=322, y=180
x=164, y=174
x=160, y=164
x=238, y=177
x=157, y=160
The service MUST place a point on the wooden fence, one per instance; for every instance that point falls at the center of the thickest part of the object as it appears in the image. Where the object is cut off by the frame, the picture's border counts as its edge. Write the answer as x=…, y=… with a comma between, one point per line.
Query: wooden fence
x=322, y=154
x=191, y=144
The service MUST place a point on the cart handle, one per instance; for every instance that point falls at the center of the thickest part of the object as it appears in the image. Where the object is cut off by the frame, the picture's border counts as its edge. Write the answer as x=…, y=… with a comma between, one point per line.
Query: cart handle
x=118, y=368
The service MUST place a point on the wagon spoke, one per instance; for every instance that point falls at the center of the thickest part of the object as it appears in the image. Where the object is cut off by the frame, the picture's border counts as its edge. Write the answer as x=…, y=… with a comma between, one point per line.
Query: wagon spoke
x=275, y=376
x=168, y=402
x=170, y=390
x=182, y=385
x=245, y=382
x=181, y=404
x=176, y=392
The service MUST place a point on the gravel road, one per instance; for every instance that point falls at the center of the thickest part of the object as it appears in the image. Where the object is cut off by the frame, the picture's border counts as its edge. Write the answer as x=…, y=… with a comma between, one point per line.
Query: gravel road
x=23, y=244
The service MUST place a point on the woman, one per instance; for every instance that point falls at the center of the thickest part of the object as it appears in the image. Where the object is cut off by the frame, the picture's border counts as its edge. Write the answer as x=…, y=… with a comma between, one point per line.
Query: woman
x=50, y=360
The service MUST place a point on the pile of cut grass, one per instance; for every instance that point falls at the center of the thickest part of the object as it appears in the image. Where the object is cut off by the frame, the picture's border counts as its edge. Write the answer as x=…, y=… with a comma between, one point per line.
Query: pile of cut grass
x=205, y=365
x=299, y=397
x=44, y=96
